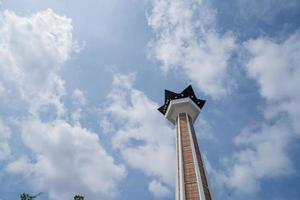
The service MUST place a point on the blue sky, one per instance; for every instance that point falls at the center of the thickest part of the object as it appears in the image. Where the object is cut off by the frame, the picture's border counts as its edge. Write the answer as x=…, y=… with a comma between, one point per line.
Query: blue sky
x=80, y=83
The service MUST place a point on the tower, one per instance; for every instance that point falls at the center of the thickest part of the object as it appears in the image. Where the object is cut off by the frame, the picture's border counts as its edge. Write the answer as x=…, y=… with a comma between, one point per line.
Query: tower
x=182, y=110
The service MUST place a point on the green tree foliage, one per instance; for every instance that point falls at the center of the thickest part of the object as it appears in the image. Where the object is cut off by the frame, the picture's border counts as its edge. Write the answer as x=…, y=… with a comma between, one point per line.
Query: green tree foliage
x=28, y=197
x=78, y=197
x=25, y=196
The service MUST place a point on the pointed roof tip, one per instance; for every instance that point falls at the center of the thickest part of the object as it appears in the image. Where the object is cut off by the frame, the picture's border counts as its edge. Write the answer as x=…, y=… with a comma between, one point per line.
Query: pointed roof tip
x=169, y=94
x=202, y=103
x=168, y=91
x=189, y=89
x=161, y=109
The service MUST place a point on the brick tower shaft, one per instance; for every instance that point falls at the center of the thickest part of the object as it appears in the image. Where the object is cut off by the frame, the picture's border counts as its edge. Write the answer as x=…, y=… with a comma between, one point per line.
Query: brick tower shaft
x=192, y=181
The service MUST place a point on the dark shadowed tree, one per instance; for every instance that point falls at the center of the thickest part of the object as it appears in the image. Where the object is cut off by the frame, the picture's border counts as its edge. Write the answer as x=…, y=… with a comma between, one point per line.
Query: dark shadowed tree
x=28, y=197
x=78, y=197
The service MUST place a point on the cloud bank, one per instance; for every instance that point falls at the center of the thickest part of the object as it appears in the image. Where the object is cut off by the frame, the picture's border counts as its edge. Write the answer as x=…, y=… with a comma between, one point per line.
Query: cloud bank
x=274, y=65
x=187, y=41
x=140, y=134
x=61, y=159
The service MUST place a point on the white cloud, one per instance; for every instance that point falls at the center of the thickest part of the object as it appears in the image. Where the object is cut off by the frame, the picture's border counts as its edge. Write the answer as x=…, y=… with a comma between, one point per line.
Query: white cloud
x=275, y=66
x=64, y=159
x=21, y=165
x=2, y=89
x=5, y=133
x=79, y=102
x=158, y=189
x=106, y=125
x=263, y=156
x=33, y=49
x=78, y=97
x=187, y=40
x=141, y=134
x=67, y=160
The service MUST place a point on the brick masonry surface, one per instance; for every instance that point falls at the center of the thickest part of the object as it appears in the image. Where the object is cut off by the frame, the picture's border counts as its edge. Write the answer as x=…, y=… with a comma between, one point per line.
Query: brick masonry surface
x=190, y=178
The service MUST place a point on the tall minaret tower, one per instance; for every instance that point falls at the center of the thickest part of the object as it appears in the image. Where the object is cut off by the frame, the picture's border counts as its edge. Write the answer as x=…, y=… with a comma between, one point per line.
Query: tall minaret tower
x=182, y=110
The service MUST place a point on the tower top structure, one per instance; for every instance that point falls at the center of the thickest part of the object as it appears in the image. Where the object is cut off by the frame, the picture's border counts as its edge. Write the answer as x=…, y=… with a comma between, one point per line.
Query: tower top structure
x=185, y=101
x=182, y=109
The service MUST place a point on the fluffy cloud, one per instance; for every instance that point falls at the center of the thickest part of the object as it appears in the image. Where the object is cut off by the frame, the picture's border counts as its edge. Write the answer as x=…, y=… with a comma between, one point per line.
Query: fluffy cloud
x=140, y=133
x=79, y=97
x=33, y=49
x=275, y=67
x=2, y=89
x=79, y=102
x=187, y=40
x=5, y=133
x=263, y=156
x=64, y=159
x=158, y=189
x=67, y=160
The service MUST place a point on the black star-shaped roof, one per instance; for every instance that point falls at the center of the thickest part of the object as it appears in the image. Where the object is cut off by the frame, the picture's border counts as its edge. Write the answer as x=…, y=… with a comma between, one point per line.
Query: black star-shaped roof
x=187, y=92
